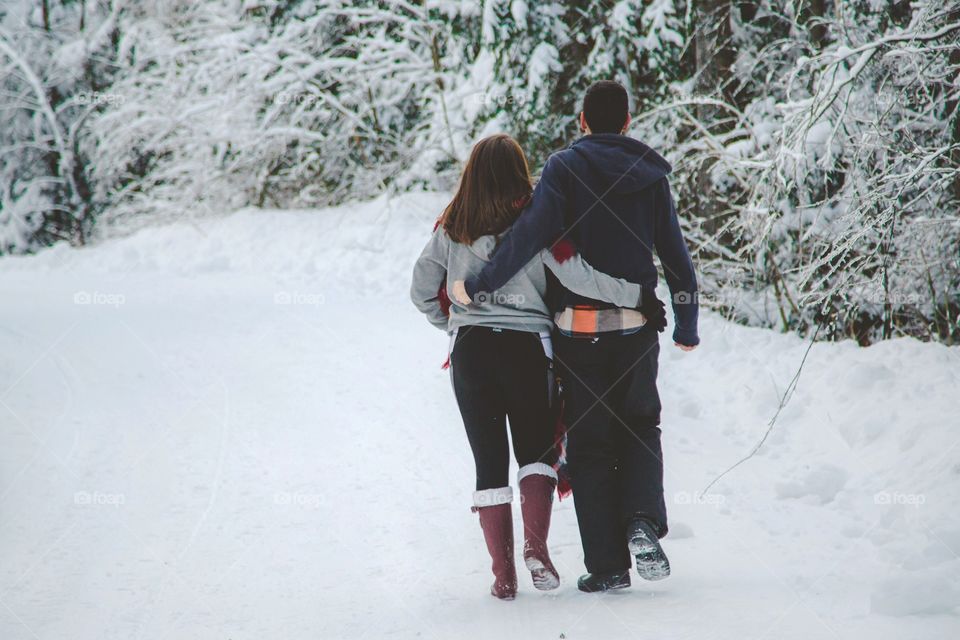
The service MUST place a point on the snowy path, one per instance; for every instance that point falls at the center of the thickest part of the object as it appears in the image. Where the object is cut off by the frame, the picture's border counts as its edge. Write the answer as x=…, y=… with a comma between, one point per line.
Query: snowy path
x=203, y=462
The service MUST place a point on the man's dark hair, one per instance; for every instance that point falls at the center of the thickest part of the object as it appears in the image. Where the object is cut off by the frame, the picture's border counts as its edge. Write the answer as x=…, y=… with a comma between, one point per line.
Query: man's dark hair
x=605, y=107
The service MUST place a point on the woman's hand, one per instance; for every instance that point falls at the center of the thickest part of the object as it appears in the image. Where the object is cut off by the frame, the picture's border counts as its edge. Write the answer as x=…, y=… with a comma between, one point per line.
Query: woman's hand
x=460, y=293
x=684, y=347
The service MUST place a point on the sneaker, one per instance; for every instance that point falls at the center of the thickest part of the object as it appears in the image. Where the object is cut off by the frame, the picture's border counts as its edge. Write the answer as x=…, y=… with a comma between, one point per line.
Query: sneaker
x=598, y=582
x=652, y=563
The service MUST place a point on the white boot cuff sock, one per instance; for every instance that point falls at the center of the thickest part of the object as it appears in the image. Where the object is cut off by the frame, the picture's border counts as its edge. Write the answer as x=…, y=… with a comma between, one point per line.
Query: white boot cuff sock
x=536, y=469
x=492, y=497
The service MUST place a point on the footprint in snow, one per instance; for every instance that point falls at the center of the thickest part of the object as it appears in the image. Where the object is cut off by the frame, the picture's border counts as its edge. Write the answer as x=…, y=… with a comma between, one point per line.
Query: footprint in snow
x=821, y=485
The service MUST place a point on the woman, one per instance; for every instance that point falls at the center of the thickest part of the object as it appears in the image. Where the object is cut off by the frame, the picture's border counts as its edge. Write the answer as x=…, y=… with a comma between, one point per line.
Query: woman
x=501, y=354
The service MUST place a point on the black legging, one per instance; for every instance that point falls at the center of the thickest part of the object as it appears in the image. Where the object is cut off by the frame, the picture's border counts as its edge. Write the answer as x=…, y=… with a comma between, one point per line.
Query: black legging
x=499, y=374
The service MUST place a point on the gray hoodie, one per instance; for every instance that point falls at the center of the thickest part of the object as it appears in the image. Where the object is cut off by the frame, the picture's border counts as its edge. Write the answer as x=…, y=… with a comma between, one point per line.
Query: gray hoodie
x=519, y=304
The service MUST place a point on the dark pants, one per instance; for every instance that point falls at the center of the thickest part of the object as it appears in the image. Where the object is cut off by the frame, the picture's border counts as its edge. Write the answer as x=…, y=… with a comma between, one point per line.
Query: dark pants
x=497, y=374
x=612, y=413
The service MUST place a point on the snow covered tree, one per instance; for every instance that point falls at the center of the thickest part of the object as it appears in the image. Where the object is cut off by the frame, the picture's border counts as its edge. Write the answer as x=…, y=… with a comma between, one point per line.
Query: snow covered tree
x=545, y=55
x=282, y=104
x=831, y=160
x=55, y=70
x=518, y=72
x=816, y=145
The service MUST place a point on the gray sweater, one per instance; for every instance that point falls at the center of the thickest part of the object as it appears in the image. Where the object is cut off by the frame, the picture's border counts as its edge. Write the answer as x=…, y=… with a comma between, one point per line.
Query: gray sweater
x=519, y=304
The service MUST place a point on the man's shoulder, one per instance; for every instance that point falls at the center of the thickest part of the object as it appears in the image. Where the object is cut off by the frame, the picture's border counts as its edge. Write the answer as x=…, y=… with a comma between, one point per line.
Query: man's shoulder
x=558, y=168
x=561, y=158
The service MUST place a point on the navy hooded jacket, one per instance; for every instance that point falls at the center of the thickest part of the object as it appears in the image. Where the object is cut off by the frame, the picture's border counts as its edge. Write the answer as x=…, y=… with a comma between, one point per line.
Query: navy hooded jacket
x=609, y=195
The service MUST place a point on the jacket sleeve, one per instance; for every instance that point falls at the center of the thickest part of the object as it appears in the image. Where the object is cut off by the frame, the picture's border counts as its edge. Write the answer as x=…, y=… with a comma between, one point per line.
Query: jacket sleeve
x=677, y=267
x=429, y=276
x=538, y=226
x=578, y=276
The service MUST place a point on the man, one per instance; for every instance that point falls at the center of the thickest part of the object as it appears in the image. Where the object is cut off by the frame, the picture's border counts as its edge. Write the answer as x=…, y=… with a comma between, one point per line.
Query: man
x=608, y=195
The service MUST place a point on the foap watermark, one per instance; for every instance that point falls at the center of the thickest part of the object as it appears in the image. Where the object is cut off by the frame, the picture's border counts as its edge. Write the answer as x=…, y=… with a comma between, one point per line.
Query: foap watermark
x=895, y=298
x=709, y=499
x=686, y=297
x=304, y=298
x=101, y=298
x=726, y=297
x=297, y=499
x=99, y=498
x=97, y=98
x=486, y=98
x=296, y=98
x=900, y=498
x=723, y=297
x=500, y=298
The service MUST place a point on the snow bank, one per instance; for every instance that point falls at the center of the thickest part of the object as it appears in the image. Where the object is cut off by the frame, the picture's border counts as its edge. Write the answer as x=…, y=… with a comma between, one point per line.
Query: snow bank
x=361, y=246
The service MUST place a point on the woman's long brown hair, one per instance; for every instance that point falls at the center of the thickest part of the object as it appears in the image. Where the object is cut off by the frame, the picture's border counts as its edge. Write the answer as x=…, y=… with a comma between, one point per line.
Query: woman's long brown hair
x=494, y=187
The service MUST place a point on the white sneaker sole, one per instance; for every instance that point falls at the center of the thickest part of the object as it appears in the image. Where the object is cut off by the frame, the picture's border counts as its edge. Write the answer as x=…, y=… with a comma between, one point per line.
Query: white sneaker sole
x=652, y=563
x=543, y=578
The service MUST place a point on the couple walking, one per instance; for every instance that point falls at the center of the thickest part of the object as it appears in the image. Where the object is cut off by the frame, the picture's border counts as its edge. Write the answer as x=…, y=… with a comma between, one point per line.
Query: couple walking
x=522, y=278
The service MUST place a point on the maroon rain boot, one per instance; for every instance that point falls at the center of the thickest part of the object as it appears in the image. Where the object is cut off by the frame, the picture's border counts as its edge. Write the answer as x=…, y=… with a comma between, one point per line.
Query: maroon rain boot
x=496, y=520
x=537, y=482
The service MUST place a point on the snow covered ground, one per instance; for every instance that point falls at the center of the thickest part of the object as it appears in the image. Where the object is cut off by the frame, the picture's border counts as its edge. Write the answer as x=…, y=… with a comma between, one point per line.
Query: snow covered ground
x=238, y=427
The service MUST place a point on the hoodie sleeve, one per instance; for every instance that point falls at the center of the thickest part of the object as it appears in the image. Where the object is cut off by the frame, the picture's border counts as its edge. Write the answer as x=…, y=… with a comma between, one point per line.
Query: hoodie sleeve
x=538, y=226
x=578, y=276
x=677, y=267
x=430, y=277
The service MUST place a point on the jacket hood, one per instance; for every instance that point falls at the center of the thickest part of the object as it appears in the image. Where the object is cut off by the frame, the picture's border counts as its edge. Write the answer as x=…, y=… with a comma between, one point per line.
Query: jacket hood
x=620, y=163
x=483, y=246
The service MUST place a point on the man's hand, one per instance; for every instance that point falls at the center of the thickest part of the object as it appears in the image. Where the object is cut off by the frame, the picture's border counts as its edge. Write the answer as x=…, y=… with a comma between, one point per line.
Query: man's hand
x=684, y=347
x=653, y=309
x=460, y=293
